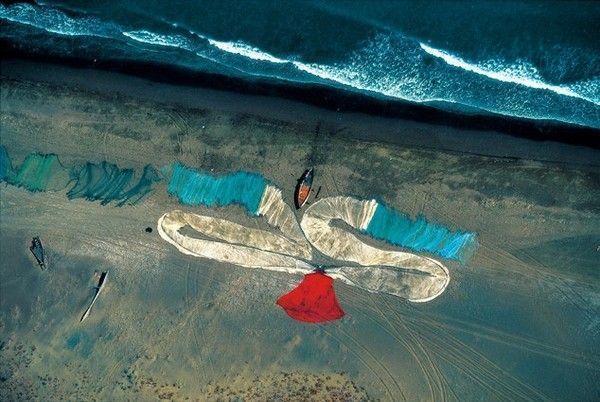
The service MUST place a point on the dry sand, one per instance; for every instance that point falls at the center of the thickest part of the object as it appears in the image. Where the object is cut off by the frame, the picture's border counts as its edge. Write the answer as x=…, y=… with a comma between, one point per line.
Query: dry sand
x=168, y=325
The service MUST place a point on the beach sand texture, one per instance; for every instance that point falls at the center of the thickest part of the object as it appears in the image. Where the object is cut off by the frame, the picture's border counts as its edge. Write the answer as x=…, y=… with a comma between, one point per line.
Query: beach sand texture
x=518, y=320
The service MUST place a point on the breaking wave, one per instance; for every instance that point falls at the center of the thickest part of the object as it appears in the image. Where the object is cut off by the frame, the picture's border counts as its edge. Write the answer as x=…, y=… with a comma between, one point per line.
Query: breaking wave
x=55, y=21
x=244, y=50
x=387, y=64
x=523, y=74
x=152, y=38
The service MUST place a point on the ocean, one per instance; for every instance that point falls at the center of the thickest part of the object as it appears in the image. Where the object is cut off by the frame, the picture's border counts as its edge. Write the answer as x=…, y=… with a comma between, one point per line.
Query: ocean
x=533, y=60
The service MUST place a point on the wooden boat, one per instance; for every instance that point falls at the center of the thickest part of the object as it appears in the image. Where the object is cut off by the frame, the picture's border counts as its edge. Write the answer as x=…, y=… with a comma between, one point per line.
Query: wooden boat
x=37, y=249
x=101, y=283
x=303, y=188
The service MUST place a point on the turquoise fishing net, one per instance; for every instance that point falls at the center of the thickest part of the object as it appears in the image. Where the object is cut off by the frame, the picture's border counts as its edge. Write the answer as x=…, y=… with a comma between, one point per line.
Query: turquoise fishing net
x=420, y=235
x=193, y=187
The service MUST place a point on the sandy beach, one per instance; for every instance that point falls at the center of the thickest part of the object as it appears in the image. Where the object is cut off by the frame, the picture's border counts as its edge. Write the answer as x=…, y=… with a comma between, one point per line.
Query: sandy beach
x=519, y=319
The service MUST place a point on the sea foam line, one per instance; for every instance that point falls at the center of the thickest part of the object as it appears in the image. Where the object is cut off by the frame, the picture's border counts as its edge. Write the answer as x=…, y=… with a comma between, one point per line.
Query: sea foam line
x=242, y=49
x=55, y=21
x=153, y=38
x=499, y=75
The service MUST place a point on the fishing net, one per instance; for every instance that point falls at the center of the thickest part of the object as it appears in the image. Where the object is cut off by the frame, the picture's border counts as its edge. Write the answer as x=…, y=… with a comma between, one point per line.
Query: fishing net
x=313, y=300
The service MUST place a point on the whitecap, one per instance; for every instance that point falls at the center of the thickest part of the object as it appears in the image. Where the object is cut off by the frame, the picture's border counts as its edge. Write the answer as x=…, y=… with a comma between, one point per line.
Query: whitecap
x=392, y=66
x=153, y=38
x=521, y=73
x=55, y=21
x=245, y=50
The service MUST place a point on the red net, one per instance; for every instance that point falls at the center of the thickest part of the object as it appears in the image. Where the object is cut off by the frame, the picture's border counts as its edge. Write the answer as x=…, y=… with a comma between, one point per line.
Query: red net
x=313, y=300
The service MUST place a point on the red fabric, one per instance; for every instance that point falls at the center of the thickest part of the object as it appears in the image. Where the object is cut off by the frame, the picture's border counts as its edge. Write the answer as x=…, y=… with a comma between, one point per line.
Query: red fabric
x=313, y=300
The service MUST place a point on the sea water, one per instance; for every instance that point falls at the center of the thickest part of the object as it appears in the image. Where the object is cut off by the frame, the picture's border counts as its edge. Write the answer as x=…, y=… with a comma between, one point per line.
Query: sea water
x=514, y=59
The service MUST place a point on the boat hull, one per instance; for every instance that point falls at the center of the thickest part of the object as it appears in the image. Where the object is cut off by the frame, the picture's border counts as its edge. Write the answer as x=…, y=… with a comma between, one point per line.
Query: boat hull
x=303, y=188
x=37, y=249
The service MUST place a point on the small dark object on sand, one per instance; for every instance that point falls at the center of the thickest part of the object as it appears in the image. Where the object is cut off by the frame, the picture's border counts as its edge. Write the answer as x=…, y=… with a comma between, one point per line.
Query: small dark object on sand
x=148, y=229
x=37, y=249
x=318, y=191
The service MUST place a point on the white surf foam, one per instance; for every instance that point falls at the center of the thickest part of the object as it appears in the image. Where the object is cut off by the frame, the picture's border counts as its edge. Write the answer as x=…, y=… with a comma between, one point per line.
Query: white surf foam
x=55, y=21
x=153, y=38
x=358, y=76
x=245, y=50
x=347, y=76
x=521, y=74
x=393, y=67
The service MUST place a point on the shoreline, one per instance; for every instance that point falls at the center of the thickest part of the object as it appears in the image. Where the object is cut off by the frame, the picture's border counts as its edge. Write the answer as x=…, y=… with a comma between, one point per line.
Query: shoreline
x=328, y=98
x=352, y=125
